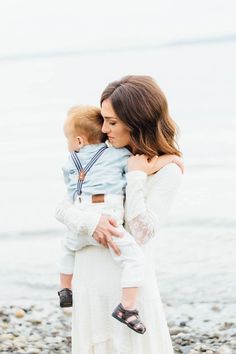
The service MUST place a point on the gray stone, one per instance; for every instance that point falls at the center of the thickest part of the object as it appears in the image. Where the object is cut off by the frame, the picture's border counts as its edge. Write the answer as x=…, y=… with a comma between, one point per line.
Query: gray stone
x=224, y=349
x=34, y=338
x=216, y=308
x=193, y=351
x=35, y=320
x=6, y=336
x=33, y=351
x=175, y=330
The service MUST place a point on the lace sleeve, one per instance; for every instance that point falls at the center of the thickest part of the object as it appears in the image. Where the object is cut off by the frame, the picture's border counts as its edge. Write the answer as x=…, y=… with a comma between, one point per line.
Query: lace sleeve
x=148, y=200
x=141, y=228
x=77, y=221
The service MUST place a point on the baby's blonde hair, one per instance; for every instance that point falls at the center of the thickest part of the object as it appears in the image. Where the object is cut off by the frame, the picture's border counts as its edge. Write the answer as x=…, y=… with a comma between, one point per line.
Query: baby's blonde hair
x=87, y=121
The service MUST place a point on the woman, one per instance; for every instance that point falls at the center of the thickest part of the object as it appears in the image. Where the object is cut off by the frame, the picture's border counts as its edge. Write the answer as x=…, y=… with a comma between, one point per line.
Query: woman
x=135, y=113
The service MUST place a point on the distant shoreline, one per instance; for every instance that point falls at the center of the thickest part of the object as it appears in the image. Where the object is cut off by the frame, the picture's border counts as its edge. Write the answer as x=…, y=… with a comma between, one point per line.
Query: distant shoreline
x=230, y=38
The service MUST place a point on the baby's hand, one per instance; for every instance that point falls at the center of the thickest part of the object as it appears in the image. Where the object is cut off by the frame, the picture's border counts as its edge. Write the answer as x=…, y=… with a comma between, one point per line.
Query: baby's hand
x=163, y=160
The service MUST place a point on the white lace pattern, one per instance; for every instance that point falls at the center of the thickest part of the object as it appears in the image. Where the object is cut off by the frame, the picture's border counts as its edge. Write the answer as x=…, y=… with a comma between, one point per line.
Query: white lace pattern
x=141, y=228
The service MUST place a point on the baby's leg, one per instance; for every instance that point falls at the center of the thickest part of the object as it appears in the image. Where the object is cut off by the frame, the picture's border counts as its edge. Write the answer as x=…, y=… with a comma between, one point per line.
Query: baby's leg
x=66, y=274
x=65, y=280
x=132, y=263
x=66, y=265
x=131, y=259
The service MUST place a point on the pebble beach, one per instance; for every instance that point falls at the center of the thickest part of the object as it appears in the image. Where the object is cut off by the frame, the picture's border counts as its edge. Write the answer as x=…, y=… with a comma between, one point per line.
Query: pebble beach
x=199, y=301
x=34, y=329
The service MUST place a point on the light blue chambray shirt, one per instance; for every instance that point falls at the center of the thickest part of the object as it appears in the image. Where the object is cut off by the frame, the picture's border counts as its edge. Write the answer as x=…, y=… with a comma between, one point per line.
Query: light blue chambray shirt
x=106, y=176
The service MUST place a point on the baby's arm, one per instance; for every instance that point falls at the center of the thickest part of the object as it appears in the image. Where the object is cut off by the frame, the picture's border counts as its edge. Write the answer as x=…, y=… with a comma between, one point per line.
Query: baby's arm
x=164, y=160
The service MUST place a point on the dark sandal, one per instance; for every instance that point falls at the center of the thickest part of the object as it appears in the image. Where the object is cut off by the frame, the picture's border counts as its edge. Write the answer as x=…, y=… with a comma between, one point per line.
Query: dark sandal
x=65, y=296
x=122, y=315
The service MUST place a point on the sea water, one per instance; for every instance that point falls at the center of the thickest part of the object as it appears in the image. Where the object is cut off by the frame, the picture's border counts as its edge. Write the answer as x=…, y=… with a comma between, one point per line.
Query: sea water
x=199, y=82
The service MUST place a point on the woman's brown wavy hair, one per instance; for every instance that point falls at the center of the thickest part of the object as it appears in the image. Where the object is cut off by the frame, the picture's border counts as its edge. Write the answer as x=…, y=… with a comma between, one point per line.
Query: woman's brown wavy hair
x=141, y=105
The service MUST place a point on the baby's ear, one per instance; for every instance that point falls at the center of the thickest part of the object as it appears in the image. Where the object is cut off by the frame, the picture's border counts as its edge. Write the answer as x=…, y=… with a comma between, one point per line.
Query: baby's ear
x=80, y=141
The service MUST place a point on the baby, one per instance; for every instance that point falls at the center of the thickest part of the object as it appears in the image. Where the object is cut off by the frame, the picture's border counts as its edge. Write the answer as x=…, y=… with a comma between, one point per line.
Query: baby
x=95, y=178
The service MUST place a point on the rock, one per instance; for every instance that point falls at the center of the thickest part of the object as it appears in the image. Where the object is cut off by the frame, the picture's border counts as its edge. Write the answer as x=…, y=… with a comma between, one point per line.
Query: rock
x=34, y=338
x=182, y=324
x=20, y=342
x=233, y=343
x=231, y=332
x=215, y=335
x=178, y=350
x=38, y=345
x=216, y=308
x=6, y=336
x=197, y=347
x=175, y=330
x=4, y=325
x=19, y=313
x=7, y=345
x=35, y=320
x=227, y=325
x=67, y=311
x=58, y=325
x=203, y=348
x=178, y=341
x=209, y=352
x=224, y=349
x=33, y=351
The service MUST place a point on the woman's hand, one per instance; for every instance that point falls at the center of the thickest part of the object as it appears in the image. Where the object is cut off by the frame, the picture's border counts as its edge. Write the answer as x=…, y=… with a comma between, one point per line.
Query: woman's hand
x=106, y=228
x=142, y=163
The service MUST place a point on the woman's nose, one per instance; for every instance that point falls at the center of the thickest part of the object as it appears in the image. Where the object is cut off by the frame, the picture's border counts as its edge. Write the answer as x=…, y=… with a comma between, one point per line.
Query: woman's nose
x=105, y=127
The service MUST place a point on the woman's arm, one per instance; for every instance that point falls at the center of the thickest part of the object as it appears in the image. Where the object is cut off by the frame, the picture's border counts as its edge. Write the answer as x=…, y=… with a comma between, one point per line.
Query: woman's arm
x=77, y=221
x=148, y=200
x=89, y=224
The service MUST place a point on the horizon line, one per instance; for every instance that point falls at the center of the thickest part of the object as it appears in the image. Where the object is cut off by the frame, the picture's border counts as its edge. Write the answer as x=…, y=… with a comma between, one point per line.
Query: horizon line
x=88, y=51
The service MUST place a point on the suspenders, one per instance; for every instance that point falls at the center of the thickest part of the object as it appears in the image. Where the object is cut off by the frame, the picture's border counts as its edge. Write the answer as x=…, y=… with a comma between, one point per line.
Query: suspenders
x=83, y=171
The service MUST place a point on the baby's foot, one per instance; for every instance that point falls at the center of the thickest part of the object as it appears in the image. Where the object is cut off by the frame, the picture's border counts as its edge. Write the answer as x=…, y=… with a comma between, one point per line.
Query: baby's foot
x=65, y=296
x=130, y=318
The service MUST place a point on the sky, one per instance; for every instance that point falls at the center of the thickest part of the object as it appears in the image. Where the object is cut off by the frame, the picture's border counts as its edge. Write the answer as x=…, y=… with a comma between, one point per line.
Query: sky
x=28, y=26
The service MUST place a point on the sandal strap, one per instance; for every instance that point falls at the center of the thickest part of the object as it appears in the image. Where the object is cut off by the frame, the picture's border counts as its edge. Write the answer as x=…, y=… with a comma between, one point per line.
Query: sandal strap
x=134, y=322
x=126, y=313
x=64, y=291
x=123, y=314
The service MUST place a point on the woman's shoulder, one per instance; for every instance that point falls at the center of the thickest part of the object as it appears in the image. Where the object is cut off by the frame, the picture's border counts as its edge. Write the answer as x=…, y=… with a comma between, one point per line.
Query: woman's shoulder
x=171, y=169
x=169, y=175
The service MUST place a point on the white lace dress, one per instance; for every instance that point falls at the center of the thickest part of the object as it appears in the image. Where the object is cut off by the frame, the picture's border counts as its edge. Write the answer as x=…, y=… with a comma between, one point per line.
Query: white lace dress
x=96, y=280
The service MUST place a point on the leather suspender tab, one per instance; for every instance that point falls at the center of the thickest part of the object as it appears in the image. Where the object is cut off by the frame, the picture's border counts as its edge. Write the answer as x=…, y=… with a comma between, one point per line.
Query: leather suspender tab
x=98, y=198
x=81, y=175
